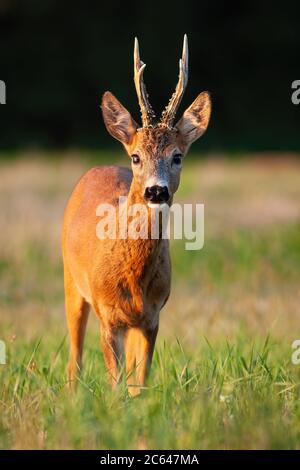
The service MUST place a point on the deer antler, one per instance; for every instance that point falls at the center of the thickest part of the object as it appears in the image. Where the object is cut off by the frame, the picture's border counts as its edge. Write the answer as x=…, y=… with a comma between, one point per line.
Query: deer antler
x=139, y=67
x=168, y=115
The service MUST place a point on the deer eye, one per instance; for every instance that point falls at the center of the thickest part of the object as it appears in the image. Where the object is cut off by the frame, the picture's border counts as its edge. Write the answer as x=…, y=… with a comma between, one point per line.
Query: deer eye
x=135, y=159
x=177, y=159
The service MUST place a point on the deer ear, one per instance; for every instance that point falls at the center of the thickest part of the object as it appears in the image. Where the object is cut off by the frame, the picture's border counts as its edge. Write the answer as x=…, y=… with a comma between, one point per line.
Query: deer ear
x=195, y=119
x=117, y=119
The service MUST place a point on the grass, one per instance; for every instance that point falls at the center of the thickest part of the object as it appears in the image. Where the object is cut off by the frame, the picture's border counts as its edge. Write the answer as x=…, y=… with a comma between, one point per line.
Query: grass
x=222, y=375
x=224, y=395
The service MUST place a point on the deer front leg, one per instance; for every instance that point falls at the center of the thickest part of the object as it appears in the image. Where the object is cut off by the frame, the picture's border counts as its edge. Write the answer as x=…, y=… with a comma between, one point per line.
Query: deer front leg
x=112, y=352
x=139, y=348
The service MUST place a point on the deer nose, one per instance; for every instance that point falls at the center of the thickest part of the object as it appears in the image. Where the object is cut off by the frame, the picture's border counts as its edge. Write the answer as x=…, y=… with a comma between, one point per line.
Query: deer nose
x=157, y=194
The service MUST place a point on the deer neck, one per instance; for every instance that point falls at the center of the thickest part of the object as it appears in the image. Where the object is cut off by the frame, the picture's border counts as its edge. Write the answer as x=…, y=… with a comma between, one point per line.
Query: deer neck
x=149, y=245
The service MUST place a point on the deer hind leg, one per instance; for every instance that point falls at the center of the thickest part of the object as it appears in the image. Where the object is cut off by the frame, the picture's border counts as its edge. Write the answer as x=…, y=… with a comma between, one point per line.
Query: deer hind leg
x=139, y=348
x=77, y=312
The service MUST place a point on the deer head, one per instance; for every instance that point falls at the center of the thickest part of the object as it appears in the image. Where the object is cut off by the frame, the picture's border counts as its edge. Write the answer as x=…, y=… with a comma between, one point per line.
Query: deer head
x=158, y=147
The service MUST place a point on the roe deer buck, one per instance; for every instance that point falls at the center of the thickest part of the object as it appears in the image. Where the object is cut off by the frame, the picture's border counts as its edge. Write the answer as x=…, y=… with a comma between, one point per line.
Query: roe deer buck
x=127, y=282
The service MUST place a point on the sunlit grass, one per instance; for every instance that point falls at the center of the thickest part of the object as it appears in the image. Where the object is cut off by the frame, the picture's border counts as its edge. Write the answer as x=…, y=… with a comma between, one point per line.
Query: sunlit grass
x=223, y=395
x=222, y=375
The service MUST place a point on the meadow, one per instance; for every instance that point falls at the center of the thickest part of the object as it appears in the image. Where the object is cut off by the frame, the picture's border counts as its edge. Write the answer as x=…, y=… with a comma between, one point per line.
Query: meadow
x=222, y=376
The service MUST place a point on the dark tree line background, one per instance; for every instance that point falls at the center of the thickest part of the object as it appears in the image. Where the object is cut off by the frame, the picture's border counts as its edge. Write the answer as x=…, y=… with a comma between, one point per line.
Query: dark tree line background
x=57, y=58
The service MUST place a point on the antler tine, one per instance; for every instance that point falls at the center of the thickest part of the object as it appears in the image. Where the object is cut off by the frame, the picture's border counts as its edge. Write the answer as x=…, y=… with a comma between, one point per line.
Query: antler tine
x=169, y=113
x=139, y=67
